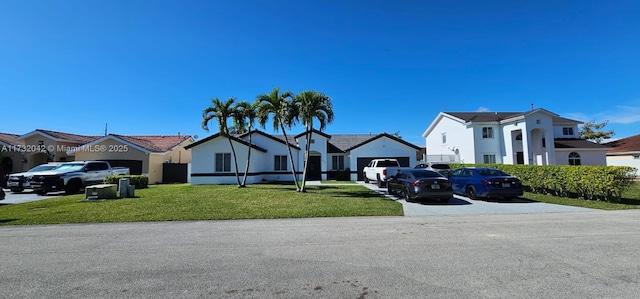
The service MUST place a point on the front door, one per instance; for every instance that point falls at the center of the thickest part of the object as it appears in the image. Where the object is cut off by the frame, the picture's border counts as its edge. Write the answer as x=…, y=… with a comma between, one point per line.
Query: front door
x=519, y=157
x=314, y=172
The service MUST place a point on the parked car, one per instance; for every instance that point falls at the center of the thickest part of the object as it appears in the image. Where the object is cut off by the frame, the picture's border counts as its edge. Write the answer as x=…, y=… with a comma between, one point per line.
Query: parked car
x=19, y=181
x=477, y=182
x=71, y=177
x=419, y=184
x=441, y=168
x=379, y=170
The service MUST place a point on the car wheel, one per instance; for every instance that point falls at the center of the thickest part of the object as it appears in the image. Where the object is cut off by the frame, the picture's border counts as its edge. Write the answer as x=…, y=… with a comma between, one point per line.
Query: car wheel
x=406, y=195
x=381, y=184
x=16, y=190
x=72, y=187
x=41, y=192
x=389, y=191
x=471, y=192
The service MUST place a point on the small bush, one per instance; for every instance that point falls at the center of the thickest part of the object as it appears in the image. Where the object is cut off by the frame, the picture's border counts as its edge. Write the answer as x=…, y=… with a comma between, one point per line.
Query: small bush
x=139, y=181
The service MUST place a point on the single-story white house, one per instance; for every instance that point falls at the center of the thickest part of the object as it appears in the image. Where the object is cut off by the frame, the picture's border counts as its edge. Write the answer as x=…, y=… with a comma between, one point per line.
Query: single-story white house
x=536, y=137
x=625, y=152
x=212, y=161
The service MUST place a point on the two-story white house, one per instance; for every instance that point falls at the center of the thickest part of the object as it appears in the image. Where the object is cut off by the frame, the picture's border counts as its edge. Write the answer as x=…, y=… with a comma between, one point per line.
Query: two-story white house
x=536, y=137
x=212, y=159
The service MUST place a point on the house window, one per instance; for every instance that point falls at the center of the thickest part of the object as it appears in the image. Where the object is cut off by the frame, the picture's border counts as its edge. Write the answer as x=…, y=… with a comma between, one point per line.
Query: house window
x=574, y=158
x=538, y=122
x=337, y=163
x=280, y=163
x=544, y=142
x=567, y=131
x=313, y=141
x=489, y=159
x=487, y=132
x=444, y=138
x=223, y=162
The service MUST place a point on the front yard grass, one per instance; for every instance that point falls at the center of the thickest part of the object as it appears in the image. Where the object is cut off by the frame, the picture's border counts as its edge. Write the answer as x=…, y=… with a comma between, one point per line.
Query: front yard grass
x=210, y=202
x=630, y=200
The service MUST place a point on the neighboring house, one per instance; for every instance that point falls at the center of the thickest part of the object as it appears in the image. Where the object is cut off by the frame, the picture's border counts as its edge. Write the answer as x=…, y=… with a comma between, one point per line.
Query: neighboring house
x=147, y=155
x=11, y=153
x=536, y=137
x=625, y=152
x=213, y=161
x=141, y=154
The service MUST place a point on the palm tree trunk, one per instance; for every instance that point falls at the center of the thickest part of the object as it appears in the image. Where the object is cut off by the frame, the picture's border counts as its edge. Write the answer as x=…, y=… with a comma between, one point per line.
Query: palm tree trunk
x=293, y=168
x=235, y=160
x=306, y=159
x=246, y=168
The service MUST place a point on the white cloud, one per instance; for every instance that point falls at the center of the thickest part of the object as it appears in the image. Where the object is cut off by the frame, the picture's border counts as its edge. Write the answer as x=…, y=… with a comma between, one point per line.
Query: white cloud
x=622, y=115
x=483, y=109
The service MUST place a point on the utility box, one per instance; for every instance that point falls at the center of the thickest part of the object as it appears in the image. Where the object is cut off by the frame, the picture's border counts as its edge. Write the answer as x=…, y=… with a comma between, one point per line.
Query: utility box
x=103, y=191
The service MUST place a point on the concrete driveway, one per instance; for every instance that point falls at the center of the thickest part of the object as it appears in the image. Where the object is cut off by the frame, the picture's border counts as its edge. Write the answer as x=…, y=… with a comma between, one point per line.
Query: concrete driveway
x=461, y=205
x=26, y=196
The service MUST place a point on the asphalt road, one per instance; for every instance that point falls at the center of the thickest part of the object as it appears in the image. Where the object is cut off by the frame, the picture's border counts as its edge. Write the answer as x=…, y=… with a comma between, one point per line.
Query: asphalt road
x=542, y=255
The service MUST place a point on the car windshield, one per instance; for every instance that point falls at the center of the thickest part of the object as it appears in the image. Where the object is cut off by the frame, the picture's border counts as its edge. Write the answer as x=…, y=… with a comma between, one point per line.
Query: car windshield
x=70, y=167
x=440, y=166
x=491, y=172
x=43, y=167
x=425, y=174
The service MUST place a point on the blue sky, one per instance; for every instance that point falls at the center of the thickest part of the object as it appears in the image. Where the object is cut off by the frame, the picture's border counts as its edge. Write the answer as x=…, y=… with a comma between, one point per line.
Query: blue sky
x=151, y=67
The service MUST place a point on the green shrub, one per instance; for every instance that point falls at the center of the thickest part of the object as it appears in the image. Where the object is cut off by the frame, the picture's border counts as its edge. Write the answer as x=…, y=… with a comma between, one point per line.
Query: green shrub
x=139, y=181
x=605, y=183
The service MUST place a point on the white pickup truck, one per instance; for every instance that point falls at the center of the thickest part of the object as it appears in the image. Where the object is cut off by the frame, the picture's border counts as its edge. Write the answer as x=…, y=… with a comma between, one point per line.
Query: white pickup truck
x=380, y=170
x=71, y=177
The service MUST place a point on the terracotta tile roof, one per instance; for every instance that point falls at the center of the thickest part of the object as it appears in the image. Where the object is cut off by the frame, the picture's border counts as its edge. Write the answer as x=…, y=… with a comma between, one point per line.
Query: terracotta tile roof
x=628, y=144
x=577, y=143
x=10, y=139
x=157, y=144
x=71, y=137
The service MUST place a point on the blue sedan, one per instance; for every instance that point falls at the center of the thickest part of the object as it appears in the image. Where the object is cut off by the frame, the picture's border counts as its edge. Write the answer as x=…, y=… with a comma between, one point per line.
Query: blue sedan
x=476, y=182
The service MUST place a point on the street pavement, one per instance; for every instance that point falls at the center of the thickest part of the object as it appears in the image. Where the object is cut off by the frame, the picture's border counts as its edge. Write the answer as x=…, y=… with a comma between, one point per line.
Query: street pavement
x=537, y=255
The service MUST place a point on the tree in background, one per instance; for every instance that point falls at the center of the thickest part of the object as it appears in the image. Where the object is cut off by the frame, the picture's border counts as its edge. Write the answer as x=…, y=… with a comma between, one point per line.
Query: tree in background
x=283, y=115
x=222, y=111
x=593, y=131
x=312, y=106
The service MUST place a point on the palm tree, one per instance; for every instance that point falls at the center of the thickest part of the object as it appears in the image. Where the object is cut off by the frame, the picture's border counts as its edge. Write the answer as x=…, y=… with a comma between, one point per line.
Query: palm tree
x=222, y=111
x=245, y=117
x=279, y=105
x=313, y=105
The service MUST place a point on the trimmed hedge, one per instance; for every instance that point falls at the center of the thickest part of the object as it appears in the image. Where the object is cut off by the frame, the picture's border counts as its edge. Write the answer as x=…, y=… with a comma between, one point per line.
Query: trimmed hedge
x=604, y=183
x=139, y=181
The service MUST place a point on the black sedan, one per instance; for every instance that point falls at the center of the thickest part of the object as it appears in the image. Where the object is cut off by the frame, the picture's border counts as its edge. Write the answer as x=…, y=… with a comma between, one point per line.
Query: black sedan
x=419, y=184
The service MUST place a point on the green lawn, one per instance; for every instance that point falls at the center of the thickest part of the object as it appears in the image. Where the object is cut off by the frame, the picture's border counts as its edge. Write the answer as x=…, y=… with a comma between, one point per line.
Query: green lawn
x=630, y=200
x=185, y=202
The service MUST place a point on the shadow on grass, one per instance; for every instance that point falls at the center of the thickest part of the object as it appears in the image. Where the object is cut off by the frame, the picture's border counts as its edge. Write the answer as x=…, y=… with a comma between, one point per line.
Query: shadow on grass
x=435, y=202
x=7, y=220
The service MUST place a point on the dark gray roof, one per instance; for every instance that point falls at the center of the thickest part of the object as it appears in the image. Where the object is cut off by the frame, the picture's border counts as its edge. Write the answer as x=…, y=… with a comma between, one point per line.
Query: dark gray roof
x=577, y=143
x=500, y=116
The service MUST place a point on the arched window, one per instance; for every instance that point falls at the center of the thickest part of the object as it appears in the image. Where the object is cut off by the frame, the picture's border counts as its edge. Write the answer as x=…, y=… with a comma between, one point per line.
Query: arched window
x=519, y=136
x=574, y=158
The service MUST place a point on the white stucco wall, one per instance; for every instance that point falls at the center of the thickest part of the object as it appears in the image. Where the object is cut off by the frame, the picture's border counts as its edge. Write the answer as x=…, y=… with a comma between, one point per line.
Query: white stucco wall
x=587, y=157
x=381, y=147
x=458, y=137
x=203, y=162
x=625, y=160
x=488, y=146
